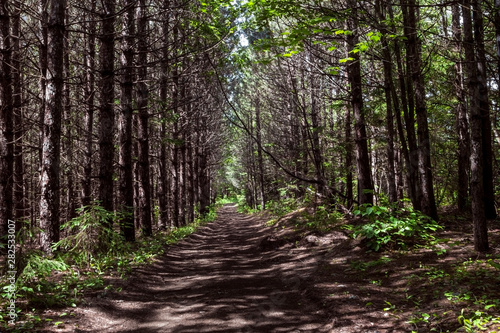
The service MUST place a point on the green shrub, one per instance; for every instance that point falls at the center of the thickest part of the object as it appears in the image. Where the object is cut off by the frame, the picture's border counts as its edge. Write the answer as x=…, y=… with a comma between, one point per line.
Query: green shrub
x=282, y=207
x=37, y=266
x=323, y=219
x=91, y=236
x=394, y=227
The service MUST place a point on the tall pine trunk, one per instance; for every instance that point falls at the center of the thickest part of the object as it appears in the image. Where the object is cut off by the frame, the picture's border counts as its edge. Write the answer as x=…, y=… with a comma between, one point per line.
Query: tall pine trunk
x=414, y=57
x=126, y=174
x=163, y=184
x=410, y=150
x=42, y=60
x=19, y=199
x=461, y=115
x=89, y=97
x=348, y=166
x=484, y=108
x=175, y=150
x=476, y=153
x=68, y=136
x=144, y=209
x=106, y=107
x=6, y=119
x=365, y=184
x=260, y=159
x=51, y=143
x=388, y=90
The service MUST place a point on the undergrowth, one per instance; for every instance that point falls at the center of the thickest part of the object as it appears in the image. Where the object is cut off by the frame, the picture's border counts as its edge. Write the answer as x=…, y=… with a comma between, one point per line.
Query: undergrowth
x=393, y=226
x=470, y=290
x=323, y=219
x=83, y=260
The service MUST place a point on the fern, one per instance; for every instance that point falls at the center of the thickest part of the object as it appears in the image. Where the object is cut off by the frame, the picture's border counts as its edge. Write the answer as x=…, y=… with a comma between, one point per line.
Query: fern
x=91, y=235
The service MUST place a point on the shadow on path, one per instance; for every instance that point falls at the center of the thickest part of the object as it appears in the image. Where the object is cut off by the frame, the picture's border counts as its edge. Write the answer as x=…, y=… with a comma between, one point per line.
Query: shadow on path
x=216, y=280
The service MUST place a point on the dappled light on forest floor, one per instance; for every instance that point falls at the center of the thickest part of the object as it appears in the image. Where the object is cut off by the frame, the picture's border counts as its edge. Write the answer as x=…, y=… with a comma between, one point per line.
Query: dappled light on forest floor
x=227, y=277
x=219, y=280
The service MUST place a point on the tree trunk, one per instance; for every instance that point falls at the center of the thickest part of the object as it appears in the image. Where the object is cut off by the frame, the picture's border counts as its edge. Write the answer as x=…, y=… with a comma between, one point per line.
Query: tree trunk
x=484, y=108
x=428, y=201
x=182, y=152
x=69, y=148
x=348, y=159
x=497, y=35
x=410, y=151
x=89, y=96
x=461, y=115
x=175, y=160
x=204, y=182
x=314, y=135
x=6, y=120
x=106, y=109
x=365, y=184
x=388, y=87
x=163, y=186
x=260, y=159
x=476, y=158
x=42, y=59
x=51, y=149
x=19, y=199
x=190, y=166
x=126, y=182
x=143, y=127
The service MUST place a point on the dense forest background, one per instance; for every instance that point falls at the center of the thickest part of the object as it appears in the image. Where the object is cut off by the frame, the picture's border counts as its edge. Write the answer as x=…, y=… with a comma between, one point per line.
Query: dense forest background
x=153, y=109
x=367, y=131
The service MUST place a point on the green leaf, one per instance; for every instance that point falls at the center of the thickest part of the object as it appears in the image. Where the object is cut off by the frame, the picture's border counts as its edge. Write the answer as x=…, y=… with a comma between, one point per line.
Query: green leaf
x=346, y=60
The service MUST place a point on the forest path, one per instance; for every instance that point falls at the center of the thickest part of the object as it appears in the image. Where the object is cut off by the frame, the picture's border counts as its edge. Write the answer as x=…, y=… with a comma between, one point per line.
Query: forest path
x=216, y=280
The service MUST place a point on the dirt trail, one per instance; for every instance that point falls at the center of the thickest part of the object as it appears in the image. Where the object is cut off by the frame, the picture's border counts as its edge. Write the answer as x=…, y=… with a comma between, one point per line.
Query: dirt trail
x=238, y=275
x=216, y=280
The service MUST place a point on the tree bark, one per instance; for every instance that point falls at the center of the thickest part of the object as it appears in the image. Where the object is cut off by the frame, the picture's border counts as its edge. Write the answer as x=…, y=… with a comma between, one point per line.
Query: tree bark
x=476, y=158
x=461, y=115
x=410, y=150
x=204, y=182
x=484, y=108
x=260, y=159
x=388, y=87
x=175, y=150
x=6, y=120
x=348, y=160
x=19, y=199
x=51, y=144
x=89, y=97
x=106, y=107
x=428, y=201
x=143, y=126
x=183, y=121
x=68, y=143
x=314, y=137
x=497, y=37
x=163, y=186
x=126, y=182
x=365, y=184
x=42, y=60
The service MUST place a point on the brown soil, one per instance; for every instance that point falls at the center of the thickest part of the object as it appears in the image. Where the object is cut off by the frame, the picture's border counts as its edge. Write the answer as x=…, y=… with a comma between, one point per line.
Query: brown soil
x=238, y=275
